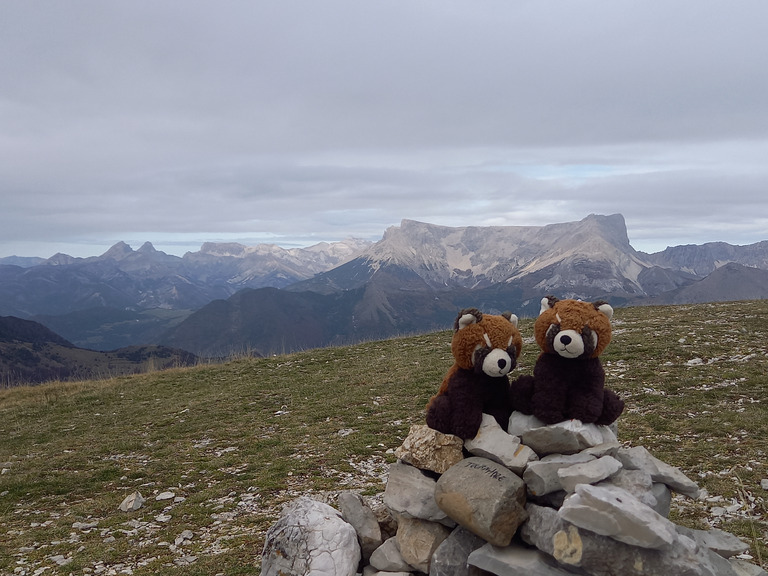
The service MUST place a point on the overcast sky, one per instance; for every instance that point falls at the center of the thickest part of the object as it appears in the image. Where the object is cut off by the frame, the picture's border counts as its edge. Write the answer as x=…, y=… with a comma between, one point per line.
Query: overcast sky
x=294, y=122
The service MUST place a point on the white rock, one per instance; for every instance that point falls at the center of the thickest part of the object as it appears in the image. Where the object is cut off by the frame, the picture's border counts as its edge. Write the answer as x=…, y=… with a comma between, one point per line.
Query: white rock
x=567, y=437
x=310, y=537
x=638, y=458
x=541, y=476
x=132, y=502
x=588, y=472
x=614, y=512
x=165, y=496
x=183, y=537
x=520, y=423
x=388, y=558
x=411, y=493
x=495, y=444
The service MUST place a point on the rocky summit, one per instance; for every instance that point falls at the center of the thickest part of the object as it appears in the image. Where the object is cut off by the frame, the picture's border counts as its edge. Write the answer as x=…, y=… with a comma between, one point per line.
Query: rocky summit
x=538, y=500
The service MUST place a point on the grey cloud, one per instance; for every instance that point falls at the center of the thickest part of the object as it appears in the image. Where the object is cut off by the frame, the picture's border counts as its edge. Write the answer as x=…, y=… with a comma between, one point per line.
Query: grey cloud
x=343, y=117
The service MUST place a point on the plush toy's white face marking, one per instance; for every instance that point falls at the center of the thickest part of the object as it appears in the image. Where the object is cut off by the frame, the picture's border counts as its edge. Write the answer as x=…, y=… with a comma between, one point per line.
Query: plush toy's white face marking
x=497, y=363
x=569, y=343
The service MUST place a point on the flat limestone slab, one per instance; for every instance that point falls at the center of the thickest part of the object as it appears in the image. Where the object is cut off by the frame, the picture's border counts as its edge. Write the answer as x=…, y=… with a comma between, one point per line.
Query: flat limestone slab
x=614, y=512
x=514, y=560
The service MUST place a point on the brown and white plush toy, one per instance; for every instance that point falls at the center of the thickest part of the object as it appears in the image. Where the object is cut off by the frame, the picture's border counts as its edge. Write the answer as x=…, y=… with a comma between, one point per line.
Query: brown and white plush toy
x=485, y=349
x=568, y=379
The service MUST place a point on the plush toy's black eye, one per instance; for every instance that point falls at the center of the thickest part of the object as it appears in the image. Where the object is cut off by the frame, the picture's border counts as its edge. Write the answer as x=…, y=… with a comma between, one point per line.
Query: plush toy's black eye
x=512, y=351
x=478, y=357
x=590, y=339
x=552, y=331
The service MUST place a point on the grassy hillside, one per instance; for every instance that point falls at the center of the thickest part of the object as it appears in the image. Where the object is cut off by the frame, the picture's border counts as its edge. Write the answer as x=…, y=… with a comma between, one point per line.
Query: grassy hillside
x=233, y=442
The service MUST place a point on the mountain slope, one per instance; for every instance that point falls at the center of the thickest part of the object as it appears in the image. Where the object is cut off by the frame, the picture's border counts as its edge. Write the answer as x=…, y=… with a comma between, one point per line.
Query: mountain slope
x=31, y=353
x=270, y=321
x=701, y=260
x=727, y=283
x=420, y=275
x=576, y=259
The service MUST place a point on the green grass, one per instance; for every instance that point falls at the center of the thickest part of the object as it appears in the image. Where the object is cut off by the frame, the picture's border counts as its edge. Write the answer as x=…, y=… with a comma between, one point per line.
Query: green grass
x=237, y=440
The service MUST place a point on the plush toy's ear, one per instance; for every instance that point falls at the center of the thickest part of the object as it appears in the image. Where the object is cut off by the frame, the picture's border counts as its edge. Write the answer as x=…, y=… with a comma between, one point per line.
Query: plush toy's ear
x=511, y=317
x=604, y=307
x=466, y=317
x=546, y=303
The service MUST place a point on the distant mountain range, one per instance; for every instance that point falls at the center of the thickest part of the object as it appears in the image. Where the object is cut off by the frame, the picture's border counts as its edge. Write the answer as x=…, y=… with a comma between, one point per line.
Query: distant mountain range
x=31, y=353
x=266, y=300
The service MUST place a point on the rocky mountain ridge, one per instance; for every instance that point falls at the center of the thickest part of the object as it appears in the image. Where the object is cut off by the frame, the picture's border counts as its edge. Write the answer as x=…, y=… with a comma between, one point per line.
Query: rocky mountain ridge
x=146, y=278
x=590, y=256
x=413, y=279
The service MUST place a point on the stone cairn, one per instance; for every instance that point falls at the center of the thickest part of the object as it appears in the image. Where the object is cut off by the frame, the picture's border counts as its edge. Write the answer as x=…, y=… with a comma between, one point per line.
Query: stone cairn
x=534, y=500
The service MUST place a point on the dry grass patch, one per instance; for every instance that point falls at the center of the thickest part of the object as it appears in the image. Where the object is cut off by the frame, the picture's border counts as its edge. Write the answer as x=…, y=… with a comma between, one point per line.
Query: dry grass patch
x=235, y=441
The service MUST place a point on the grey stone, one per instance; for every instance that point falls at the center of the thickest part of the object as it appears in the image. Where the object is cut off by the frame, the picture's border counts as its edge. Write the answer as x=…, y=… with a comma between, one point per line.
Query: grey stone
x=744, y=568
x=450, y=558
x=363, y=520
x=614, y=512
x=663, y=498
x=588, y=472
x=719, y=541
x=574, y=547
x=638, y=458
x=604, y=449
x=520, y=423
x=429, y=449
x=418, y=540
x=495, y=444
x=388, y=558
x=541, y=476
x=515, y=561
x=636, y=482
x=675, y=479
x=411, y=493
x=310, y=537
x=553, y=439
x=484, y=497
x=566, y=437
x=185, y=536
x=132, y=502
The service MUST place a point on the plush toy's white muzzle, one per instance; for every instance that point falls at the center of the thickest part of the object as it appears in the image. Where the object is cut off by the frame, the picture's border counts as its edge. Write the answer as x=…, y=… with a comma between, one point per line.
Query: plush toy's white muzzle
x=497, y=363
x=569, y=344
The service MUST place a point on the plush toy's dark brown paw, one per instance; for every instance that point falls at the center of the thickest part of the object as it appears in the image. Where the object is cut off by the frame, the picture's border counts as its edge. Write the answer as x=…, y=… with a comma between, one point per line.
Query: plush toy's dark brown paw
x=439, y=414
x=613, y=406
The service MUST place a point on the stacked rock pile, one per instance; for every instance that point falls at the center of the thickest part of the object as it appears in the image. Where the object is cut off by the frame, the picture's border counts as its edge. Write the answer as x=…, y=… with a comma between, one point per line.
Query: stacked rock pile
x=535, y=500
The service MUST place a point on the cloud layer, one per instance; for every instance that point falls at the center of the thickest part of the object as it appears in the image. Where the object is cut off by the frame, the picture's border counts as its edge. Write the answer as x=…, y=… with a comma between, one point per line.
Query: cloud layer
x=297, y=121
